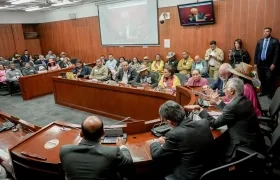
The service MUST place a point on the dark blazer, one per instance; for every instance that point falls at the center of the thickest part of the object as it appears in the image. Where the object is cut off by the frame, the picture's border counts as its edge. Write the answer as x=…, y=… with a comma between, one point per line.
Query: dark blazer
x=152, y=79
x=218, y=84
x=131, y=75
x=243, y=127
x=272, y=53
x=191, y=153
x=85, y=71
x=25, y=58
x=174, y=64
x=89, y=160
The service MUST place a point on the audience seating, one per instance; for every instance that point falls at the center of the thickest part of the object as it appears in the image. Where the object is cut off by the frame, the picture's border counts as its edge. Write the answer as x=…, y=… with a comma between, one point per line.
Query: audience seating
x=3, y=89
x=270, y=116
x=12, y=88
x=183, y=78
x=36, y=67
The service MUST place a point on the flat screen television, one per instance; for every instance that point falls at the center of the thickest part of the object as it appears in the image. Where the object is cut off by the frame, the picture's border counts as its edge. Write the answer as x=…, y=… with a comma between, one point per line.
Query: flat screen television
x=196, y=14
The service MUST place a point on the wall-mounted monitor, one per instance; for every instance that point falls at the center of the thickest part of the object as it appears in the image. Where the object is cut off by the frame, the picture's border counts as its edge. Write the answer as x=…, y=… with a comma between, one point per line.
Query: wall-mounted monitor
x=195, y=14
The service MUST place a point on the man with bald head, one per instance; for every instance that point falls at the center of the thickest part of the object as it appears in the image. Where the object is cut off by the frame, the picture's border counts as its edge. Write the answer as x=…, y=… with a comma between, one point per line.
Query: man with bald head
x=224, y=76
x=201, y=65
x=90, y=160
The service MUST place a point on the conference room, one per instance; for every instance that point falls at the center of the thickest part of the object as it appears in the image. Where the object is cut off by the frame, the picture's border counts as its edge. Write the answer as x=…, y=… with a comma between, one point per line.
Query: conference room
x=139, y=89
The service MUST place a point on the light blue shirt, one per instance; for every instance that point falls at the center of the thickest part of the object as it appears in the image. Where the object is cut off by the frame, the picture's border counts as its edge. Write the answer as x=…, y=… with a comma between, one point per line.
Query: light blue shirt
x=111, y=65
x=264, y=41
x=199, y=66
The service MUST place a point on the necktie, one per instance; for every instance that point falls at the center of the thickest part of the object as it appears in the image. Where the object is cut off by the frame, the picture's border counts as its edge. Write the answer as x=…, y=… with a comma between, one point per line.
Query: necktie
x=263, y=55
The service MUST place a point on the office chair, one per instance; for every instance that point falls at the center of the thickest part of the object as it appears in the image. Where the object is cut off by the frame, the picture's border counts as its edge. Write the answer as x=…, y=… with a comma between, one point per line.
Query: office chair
x=240, y=169
x=270, y=116
x=12, y=87
x=29, y=169
x=183, y=78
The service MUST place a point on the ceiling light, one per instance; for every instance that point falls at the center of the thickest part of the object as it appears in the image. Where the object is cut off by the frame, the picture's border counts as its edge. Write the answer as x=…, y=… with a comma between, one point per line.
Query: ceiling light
x=64, y=3
x=21, y=1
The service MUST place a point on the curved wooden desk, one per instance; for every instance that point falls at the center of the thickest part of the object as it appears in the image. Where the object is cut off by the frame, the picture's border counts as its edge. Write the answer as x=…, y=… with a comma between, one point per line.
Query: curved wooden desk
x=40, y=84
x=114, y=101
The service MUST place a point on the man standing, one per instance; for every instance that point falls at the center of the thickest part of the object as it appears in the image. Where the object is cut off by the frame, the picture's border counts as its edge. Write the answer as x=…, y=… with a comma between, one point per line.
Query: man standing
x=180, y=153
x=266, y=57
x=215, y=57
x=90, y=160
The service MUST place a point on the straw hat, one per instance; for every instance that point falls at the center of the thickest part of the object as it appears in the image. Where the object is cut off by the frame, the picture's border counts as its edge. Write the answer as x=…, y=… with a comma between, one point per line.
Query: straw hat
x=142, y=68
x=170, y=55
x=243, y=70
x=146, y=57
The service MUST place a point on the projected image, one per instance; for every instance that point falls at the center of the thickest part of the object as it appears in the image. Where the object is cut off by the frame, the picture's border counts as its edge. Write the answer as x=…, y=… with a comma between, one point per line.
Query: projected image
x=128, y=23
x=196, y=13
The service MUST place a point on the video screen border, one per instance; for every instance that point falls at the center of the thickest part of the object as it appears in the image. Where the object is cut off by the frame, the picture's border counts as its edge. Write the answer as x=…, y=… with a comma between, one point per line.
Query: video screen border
x=197, y=4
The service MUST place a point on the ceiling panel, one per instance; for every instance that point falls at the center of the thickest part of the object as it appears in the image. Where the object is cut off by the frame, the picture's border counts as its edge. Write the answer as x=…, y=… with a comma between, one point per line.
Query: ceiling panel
x=46, y=5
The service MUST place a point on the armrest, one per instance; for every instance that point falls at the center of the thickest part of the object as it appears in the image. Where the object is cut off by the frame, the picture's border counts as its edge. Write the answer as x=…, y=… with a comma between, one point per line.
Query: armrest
x=265, y=112
x=264, y=119
x=249, y=151
x=265, y=128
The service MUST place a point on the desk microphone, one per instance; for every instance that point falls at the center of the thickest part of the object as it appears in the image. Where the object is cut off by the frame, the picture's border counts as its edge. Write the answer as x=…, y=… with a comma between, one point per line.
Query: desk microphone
x=125, y=119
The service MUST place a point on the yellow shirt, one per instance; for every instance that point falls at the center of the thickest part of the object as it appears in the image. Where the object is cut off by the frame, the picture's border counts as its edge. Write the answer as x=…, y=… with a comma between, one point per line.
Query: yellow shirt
x=185, y=66
x=176, y=82
x=158, y=69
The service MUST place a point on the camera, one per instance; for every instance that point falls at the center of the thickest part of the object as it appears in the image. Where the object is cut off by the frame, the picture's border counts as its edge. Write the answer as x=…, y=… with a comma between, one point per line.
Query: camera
x=161, y=19
x=164, y=16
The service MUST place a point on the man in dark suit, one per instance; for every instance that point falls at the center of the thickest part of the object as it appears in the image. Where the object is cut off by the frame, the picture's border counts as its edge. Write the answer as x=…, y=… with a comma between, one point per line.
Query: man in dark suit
x=239, y=116
x=126, y=74
x=181, y=151
x=266, y=60
x=25, y=57
x=90, y=160
x=224, y=76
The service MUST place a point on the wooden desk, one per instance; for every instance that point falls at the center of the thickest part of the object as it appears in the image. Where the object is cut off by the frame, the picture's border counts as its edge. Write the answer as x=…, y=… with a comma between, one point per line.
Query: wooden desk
x=10, y=138
x=114, y=101
x=39, y=84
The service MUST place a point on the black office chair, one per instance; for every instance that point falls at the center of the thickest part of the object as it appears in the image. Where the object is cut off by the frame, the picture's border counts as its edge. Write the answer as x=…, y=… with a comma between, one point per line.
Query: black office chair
x=183, y=78
x=269, y=162
x=238, y=170
x=13, y=87
x=270, y=116
x=29, y=169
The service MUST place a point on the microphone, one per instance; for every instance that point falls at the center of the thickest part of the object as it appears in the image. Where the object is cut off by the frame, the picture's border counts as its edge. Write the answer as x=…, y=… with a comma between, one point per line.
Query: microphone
x=125, y=119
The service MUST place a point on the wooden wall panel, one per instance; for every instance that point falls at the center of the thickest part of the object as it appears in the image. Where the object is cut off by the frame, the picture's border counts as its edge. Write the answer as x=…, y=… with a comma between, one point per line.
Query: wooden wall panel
x=243, y=19
x=7, y=45
x=33, y=46
x=18, y=38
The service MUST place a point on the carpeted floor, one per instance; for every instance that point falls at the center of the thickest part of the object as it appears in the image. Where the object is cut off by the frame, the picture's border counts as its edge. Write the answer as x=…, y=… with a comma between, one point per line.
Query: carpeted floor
x=42, y=111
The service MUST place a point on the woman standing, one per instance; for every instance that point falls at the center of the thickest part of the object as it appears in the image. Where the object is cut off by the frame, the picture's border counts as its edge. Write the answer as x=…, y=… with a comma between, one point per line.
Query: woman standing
x=238, y=54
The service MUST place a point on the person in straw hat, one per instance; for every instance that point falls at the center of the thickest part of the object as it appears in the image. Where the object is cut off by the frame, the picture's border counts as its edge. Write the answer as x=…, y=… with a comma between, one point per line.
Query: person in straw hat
x=146, y=62
x=171, y=61
x=245, y=72
x=146, y=78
